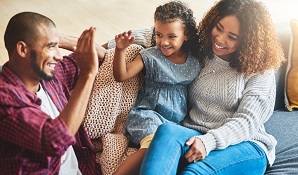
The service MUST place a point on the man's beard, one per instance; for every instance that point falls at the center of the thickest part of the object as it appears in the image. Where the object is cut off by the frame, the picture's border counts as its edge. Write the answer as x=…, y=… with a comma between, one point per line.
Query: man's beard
x=36, y=69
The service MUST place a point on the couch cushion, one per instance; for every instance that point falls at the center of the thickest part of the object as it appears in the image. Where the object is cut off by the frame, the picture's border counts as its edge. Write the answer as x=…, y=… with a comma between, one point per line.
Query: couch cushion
x=109, y=104
x=280, y=87
x=110, y=101
x=291, y=90
x=283, y=126
x=283, y=31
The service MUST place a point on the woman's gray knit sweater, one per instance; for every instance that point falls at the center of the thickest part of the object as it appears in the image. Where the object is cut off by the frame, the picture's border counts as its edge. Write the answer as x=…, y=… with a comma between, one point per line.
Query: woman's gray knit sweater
x=229, y=108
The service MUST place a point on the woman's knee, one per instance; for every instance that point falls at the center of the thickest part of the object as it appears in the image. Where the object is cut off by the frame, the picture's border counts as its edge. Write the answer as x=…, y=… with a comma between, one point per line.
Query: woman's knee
x=167, y=128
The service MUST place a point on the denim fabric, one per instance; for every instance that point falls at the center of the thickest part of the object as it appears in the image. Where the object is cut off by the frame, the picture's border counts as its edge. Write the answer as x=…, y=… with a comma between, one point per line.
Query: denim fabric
x=166, y=156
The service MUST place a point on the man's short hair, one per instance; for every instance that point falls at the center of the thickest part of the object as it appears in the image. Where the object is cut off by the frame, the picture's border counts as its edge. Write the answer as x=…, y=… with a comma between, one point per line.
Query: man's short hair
x=24, y=27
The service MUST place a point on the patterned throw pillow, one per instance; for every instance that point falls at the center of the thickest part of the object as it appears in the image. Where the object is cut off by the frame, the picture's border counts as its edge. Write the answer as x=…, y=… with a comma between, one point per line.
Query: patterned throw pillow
x=291, y=86
x=110, y=101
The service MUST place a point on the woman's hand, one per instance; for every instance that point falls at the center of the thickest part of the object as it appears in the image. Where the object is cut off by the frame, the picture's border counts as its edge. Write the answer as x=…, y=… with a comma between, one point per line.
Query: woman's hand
x=196, y=150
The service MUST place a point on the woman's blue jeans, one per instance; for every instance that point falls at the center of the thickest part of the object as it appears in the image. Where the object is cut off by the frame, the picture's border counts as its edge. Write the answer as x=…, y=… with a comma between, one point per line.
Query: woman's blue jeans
x=165, y=155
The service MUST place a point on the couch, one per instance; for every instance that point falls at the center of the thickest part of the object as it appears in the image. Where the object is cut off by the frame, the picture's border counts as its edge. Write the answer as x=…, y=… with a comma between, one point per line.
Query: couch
x=110, y=102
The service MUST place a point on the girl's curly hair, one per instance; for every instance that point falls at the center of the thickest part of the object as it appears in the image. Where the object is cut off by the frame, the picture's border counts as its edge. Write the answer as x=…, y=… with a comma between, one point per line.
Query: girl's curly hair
x=259, y=48
x=174, y=11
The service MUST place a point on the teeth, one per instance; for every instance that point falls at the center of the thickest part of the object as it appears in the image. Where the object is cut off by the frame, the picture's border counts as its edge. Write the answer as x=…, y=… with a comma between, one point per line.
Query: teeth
x=218, y=47
x=51, y=65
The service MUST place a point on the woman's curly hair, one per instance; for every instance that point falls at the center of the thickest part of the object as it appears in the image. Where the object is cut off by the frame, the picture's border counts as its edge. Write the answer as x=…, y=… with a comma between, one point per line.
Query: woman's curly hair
x=174, y=11
x=259, y=48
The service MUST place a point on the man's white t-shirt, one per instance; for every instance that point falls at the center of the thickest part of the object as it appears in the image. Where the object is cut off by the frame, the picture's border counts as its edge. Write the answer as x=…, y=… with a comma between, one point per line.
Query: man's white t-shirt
x=69, y=162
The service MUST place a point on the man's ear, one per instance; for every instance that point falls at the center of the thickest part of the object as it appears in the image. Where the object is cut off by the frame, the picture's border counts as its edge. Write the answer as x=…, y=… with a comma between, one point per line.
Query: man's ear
x=22, y=49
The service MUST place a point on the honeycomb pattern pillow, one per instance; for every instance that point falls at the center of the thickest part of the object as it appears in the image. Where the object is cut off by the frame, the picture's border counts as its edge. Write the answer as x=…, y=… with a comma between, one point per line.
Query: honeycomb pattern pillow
x=114, y=151
x=291, y=87
x=110, y=101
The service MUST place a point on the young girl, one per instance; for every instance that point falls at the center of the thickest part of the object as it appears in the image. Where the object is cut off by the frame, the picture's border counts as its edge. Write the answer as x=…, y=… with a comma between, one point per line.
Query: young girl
x=169, y=67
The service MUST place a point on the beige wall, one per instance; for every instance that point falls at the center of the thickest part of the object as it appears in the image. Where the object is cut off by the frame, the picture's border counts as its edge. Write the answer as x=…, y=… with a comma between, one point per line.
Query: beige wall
x=113, y=16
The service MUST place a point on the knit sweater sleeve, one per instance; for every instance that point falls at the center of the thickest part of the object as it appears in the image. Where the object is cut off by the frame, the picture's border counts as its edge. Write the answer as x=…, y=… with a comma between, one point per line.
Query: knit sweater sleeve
x=255, y=108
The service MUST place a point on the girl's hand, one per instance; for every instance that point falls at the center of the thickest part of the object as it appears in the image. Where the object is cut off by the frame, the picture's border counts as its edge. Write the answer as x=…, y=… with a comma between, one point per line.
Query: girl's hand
x=124, y=40
x=196, y=151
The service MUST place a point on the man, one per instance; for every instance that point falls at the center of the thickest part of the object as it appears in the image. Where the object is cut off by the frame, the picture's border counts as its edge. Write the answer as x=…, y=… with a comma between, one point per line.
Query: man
x=43, y=99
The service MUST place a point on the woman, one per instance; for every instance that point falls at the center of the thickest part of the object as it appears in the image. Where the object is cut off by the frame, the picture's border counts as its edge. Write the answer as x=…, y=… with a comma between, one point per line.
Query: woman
x=230, y=100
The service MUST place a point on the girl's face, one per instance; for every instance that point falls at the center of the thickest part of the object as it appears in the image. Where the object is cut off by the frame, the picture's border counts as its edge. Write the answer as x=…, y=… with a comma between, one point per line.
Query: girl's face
x=225, y=37
x=169, y=37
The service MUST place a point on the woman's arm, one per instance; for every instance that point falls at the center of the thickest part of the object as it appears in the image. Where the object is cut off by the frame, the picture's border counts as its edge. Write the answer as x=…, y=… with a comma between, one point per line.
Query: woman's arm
x=70, y=43
x=254, y=109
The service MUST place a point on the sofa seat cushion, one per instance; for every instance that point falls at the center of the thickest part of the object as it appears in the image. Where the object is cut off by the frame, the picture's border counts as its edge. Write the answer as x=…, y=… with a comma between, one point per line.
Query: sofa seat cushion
x=283, y=126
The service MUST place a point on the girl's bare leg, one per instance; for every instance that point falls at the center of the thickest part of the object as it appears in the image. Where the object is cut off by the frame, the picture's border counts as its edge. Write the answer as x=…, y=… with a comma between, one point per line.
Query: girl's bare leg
x=132, y=164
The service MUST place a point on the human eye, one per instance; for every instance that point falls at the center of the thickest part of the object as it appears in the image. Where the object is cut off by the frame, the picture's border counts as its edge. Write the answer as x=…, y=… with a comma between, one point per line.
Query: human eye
x=233, y=37
x=218, y=27
x=52, y=45
x=158, y=35
x=172, y=36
